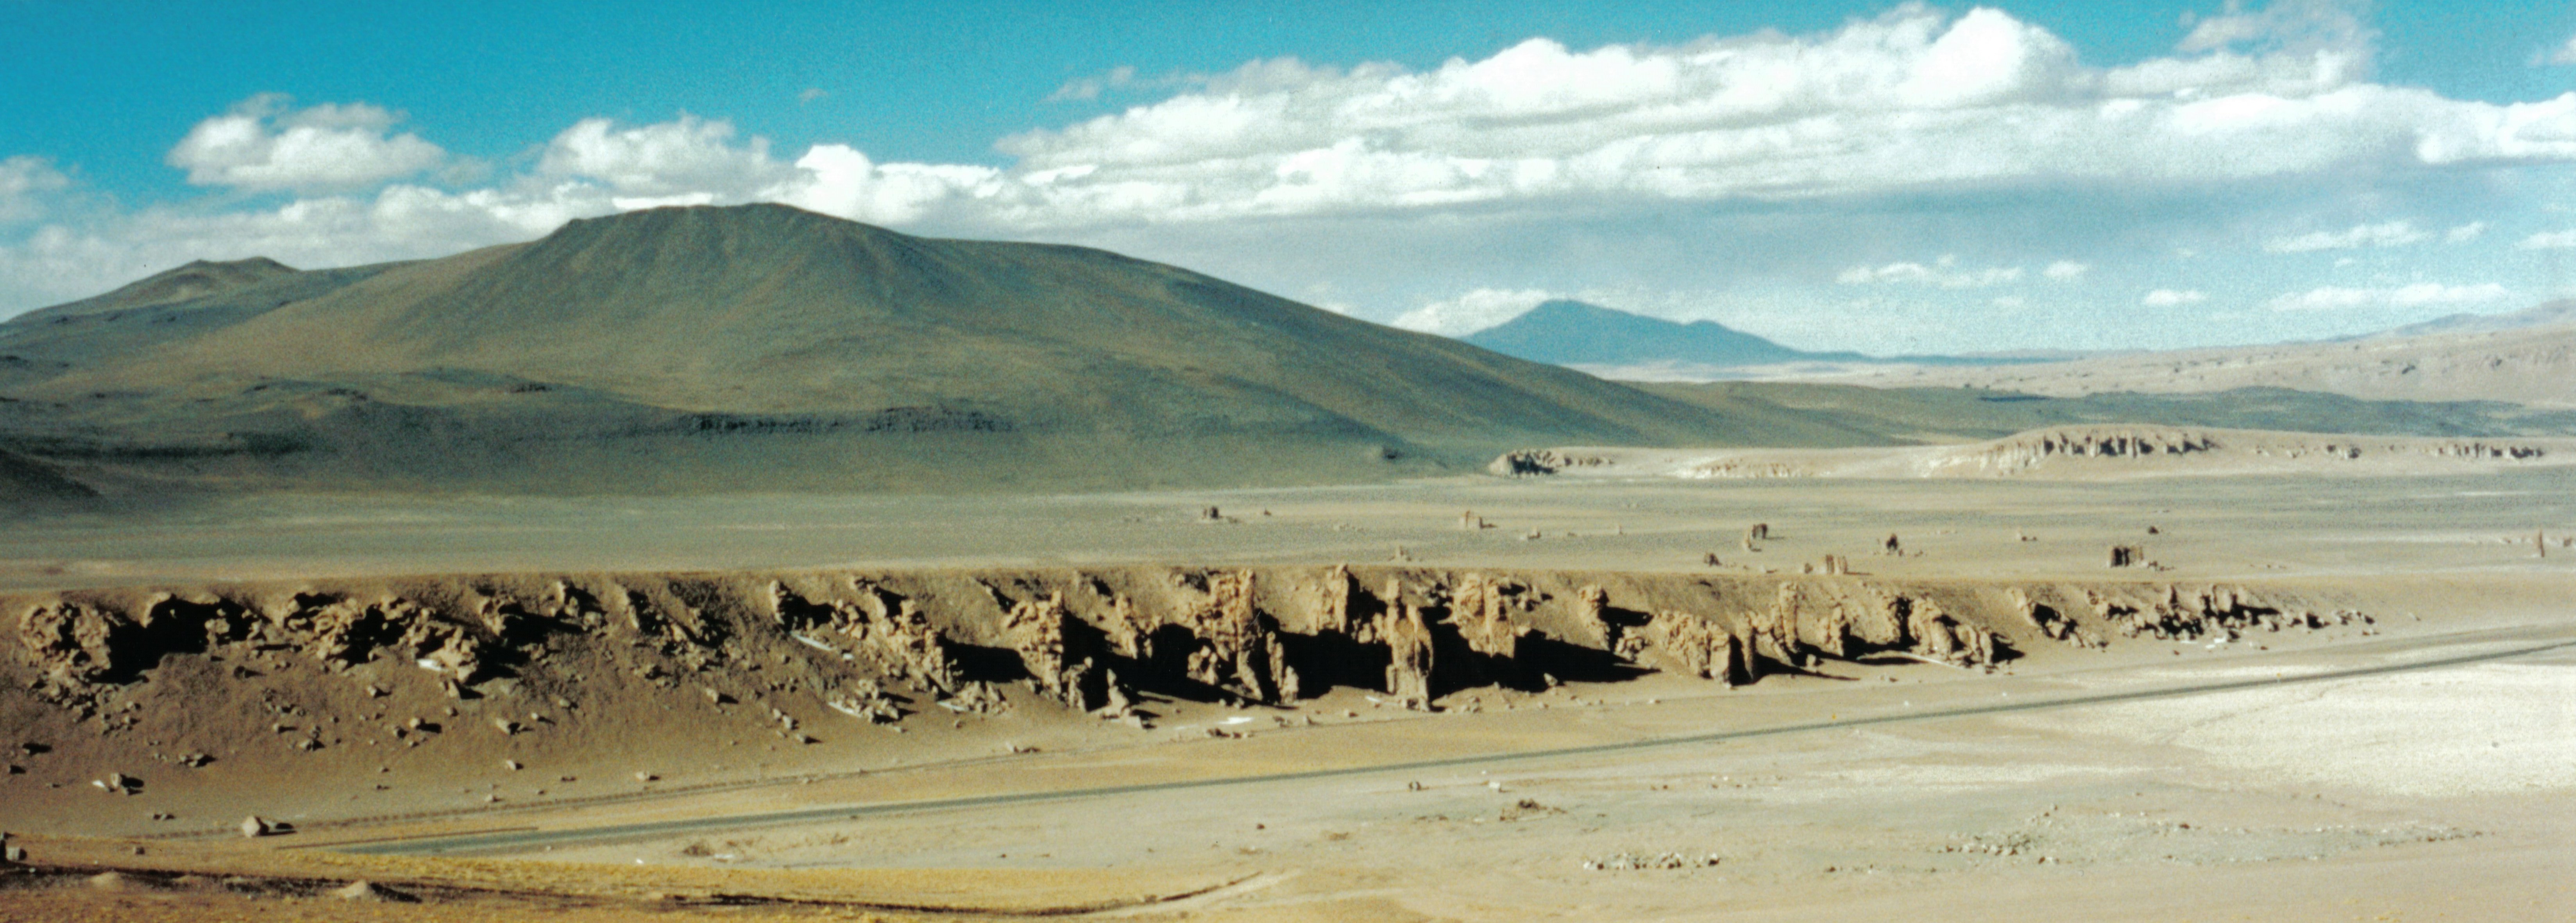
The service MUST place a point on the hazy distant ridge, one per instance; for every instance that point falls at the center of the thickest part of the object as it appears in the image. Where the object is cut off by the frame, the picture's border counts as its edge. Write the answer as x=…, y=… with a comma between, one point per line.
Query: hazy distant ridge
x=1575, y=333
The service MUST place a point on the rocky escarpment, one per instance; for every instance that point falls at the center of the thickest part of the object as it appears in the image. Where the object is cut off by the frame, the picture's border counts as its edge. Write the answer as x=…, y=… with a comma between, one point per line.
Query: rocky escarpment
x=2031, y=450
x=881, y=647
x=1526, y=462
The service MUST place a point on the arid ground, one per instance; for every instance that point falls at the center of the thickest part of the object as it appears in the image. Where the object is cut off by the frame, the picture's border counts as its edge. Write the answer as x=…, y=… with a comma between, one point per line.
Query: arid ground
x=2346, y=697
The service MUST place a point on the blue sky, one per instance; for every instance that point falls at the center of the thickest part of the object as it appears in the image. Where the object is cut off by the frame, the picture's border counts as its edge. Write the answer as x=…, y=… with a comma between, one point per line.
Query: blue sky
x=1872, y=176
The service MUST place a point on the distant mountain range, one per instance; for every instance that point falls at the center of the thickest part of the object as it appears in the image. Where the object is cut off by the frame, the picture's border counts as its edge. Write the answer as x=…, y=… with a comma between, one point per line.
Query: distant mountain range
x=764, y=348
x=2525, y=358
x=1564, y=332
x=2548, y=314
x=761, y=348
x=1574, y=333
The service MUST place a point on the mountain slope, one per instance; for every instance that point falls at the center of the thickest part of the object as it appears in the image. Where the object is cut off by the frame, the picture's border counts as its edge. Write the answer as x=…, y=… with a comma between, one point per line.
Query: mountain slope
x=2554, y=313
x=1626, y=346
x=2527, y=359
x=1574, y=333
x=762, y=347
x=198, y=279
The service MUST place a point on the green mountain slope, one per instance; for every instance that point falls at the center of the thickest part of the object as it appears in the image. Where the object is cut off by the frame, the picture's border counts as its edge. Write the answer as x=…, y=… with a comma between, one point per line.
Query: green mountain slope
x=762, y=347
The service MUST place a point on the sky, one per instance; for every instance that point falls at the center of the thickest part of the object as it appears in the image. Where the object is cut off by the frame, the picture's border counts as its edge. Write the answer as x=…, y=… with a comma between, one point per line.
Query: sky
x=1891, y=178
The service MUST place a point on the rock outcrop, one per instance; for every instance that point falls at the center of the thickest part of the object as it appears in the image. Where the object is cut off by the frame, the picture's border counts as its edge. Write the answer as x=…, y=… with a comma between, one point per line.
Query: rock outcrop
x=787, y=651
x=1529, y=462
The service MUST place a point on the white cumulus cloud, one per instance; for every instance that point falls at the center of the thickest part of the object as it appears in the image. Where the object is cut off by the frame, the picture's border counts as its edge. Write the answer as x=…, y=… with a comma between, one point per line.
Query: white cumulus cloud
x=23, y=180
x=837, y=179
x=1916, y=99
x=2566, y=54
x=2166, y=297
x=1941, y=273
x=2466, y=232
x=264, y=144
x=2420, y=294
x=2388, y=234
x=2066, y=270
x=687, y=156
x=2550, y=240
x=1473, y=311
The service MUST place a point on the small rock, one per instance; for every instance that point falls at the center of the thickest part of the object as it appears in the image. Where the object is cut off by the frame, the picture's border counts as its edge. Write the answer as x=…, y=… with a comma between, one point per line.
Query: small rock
x=255, y=826
x=363, y=890
x=513, y=765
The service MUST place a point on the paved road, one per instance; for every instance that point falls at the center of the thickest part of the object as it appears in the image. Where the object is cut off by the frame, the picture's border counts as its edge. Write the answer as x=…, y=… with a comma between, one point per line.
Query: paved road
x=518, y=840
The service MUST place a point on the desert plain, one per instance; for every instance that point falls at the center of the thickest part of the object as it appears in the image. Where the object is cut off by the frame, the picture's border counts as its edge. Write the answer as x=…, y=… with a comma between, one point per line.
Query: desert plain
x=1195, y=603
x=2413, y=765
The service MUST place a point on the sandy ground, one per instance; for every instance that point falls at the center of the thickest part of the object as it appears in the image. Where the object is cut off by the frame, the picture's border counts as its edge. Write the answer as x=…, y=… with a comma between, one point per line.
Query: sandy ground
x=2422, y=794
x=2206, y=527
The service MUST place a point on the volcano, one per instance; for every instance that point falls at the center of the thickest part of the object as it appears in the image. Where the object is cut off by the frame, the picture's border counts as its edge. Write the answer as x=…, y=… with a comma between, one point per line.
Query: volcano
x=762, y=347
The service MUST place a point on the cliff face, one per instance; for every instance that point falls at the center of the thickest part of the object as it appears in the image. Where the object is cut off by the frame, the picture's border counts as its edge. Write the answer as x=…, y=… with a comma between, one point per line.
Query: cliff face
x=883, y=647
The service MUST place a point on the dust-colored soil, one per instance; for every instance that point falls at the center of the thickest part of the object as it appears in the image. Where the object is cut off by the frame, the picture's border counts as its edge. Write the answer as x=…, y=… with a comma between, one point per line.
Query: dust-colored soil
x=2187, y=743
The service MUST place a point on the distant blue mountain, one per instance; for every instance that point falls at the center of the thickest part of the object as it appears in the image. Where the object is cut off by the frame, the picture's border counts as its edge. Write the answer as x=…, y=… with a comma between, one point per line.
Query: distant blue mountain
x=1574, y=333
x=1566, y=332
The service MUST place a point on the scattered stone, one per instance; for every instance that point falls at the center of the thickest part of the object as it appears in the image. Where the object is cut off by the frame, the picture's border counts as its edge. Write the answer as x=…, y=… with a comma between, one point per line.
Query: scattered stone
x=1623, y=862
x=368, y=892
